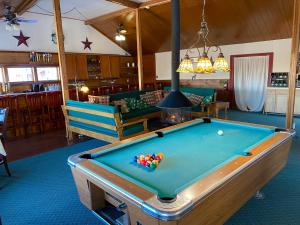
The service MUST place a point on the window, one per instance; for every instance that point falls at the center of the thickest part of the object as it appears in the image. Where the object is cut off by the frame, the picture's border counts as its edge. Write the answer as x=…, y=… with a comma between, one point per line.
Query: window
x=20, y=74
x=47, y=73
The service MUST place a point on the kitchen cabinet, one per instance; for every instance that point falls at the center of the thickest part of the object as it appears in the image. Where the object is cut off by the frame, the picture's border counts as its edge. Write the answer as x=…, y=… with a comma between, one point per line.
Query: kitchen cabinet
x=110, y=66
x=76, y=67
x=277, y=99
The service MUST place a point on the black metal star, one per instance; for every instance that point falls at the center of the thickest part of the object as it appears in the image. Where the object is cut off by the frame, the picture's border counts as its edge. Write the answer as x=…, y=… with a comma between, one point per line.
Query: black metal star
x=22, y=39
x=87, y=43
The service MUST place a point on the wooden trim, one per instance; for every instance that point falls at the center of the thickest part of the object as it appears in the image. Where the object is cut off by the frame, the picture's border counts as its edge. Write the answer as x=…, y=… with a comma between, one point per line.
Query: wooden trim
x=293, y=65
x=133, y=122
x=93, y=134
x=61, y=51
x=24, y=6
x=110, y=127
x=126, y=3
x=108, y=16
x=139, y=48
x=230, y=85
x=152, y=3
x=89, y=111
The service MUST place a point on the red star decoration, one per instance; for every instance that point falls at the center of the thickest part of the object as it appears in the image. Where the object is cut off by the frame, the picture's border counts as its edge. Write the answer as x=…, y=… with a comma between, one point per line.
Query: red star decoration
x=22, y=39
x=87, y=43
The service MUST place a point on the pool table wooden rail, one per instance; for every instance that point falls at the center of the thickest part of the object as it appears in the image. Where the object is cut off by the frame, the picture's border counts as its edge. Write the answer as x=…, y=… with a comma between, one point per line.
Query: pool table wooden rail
x=216, y=197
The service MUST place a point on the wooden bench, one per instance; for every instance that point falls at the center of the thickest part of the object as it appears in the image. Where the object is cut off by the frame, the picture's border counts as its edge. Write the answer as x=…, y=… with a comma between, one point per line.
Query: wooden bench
x=100, y=122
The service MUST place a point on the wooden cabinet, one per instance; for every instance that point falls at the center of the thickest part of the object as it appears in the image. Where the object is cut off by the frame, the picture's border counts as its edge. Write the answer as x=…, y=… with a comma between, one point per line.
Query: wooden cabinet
x=71, y=66
x=128, y=66
x=115, y=66
x=76, y=67
x=110, y=66
x=81, y=67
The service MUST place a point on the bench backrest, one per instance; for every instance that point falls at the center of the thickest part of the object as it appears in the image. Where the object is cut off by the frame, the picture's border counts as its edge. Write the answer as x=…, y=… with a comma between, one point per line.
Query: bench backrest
x=94, y=120
x=196, y=91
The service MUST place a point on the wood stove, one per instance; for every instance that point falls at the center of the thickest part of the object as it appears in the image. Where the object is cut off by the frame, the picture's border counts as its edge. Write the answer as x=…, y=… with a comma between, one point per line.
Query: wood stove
x=176, y=108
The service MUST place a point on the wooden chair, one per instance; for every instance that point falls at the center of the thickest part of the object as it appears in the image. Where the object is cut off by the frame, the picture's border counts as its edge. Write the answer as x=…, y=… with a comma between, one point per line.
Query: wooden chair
x=34, y=113
x=3, y=123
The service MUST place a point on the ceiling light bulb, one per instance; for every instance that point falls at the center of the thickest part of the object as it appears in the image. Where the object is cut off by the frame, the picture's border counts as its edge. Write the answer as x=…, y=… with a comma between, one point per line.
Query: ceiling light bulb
x=8, y=27
x=16, y=26
x=120, y=37
x=84, y=89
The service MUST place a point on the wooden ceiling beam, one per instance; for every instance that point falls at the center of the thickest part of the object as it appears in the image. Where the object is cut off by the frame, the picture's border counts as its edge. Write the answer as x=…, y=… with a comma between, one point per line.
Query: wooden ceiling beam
x=24, y=6
x=152, y=3
x=126, y=3
x=108, y=16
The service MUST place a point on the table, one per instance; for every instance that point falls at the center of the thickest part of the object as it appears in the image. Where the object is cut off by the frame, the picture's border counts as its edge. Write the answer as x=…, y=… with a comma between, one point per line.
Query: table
x=203, y=179
x=215, y=107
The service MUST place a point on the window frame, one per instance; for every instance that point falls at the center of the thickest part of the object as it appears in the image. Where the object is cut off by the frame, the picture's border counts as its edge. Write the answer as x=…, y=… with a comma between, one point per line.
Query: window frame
x=5, y=67
x=47, y=66
x=19, y=66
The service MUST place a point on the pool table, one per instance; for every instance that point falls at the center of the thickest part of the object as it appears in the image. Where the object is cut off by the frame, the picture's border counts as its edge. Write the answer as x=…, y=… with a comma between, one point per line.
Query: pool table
x=204, y=177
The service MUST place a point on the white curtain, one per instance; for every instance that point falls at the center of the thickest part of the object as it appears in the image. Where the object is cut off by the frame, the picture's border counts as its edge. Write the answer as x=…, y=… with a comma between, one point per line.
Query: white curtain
x=250, y=82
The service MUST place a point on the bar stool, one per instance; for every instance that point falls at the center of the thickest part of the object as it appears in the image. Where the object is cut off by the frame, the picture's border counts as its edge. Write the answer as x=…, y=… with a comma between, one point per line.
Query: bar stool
x=53, y=108
x=34, y=113
x=3, y=123
x=13, y=120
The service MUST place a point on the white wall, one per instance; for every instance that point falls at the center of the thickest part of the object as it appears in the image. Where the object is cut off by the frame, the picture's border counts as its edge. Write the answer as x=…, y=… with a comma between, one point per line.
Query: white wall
x=280, y=48
x=75, y=31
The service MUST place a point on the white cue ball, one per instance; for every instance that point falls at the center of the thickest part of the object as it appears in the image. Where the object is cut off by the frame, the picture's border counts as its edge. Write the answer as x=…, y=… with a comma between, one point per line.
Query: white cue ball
x=220, y=132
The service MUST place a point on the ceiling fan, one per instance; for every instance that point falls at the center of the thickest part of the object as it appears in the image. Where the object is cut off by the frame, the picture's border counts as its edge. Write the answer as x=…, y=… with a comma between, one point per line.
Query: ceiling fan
x=12, y=19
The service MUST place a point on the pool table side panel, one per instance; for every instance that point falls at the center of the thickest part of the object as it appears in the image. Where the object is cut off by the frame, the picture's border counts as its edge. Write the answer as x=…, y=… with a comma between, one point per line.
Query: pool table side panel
x=89, y=195
x=93, y=195
x=221, y=204
x=118, y=181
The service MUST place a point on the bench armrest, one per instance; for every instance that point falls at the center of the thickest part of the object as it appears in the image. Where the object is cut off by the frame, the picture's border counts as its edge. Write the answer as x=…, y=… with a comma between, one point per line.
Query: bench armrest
x=144, y=121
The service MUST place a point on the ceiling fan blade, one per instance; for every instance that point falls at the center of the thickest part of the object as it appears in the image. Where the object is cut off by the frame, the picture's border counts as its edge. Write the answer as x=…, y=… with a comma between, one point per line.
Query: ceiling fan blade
x=26, y=21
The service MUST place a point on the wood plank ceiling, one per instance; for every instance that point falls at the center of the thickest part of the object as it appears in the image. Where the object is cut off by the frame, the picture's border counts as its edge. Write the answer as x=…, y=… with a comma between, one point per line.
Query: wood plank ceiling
x=230, y=22
x=19, y=6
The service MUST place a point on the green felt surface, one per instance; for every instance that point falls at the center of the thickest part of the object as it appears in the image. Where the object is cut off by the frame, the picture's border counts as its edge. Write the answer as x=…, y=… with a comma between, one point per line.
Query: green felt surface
x=190, y=152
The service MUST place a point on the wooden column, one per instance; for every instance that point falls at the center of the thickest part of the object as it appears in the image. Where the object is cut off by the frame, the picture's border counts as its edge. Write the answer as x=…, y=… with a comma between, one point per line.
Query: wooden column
x=139, y=49
x=61, y=50
x=293, y=65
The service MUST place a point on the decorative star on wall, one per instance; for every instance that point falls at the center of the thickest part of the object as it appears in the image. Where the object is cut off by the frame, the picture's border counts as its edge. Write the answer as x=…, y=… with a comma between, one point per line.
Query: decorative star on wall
x=22, y=39
x=87, y=43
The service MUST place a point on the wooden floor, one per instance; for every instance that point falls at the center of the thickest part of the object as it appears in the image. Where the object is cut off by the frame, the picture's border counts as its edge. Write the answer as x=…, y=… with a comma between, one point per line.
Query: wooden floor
x=22, y=148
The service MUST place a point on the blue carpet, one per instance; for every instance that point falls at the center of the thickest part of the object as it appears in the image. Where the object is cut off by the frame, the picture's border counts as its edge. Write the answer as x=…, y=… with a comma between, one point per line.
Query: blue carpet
x=42, y=191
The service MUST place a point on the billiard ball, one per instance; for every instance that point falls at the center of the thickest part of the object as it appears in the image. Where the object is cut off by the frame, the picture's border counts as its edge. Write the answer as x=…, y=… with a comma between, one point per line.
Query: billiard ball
x=220, y=132
x=152, y=165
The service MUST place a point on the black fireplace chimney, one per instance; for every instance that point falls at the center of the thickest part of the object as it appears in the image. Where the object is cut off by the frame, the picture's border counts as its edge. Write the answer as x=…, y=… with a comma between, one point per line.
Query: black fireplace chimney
x=175, y=99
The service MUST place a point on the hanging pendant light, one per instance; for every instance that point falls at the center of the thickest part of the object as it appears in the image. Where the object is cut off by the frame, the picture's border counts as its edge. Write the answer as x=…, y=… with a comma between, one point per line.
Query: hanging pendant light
x=204, y=63
x=186, y=65
x=220, y=63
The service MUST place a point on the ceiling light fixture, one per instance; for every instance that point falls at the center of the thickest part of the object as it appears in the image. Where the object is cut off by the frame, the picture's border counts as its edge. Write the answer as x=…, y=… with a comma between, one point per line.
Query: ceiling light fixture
x=204, y=64
x=120, y=35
